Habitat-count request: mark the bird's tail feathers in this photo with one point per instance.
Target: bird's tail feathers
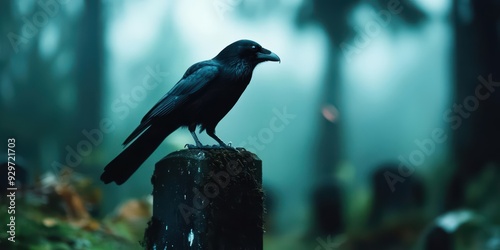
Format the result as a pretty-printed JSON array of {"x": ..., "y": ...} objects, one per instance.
[
  {"x": 137, "y": 131},
  {"x": 127, "y": 162}
]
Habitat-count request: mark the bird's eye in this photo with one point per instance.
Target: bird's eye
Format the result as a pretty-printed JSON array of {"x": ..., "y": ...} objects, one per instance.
[{"x": 254, "y": 47}]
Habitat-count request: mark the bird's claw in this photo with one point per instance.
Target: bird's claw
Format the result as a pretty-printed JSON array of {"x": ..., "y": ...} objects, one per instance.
[
  {"x": 215, "y": 146},
  {"x": 225, "y": 146}
]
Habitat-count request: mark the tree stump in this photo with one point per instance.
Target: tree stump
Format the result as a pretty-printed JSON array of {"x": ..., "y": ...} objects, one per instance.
[{"x": 207, "y": 199}]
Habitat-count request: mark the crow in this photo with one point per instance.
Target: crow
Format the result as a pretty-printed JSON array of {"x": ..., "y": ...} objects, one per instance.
[{"x": 201, "y": 98}]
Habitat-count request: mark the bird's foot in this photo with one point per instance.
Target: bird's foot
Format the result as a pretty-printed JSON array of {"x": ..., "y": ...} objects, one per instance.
[
  {"x": 191, "y": 146},
  {"x": 225, "y": 146}
]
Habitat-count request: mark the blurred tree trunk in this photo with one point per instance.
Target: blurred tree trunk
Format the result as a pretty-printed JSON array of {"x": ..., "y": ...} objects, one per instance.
[
  {"x": 89, "y": 68},
  {"x": 38, "y": 103},
  {"x": 25, "y": 78},
  {"x": 476, "y": 133},
  {"x": 333, "y": 17}
]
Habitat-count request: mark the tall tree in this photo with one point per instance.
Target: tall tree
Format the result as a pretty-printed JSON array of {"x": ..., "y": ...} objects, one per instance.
[
  {"x": 334, "y": 18},
  {"x": 475, "y": 121}
]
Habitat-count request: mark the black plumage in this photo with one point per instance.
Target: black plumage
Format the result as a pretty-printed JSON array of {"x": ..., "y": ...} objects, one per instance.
[{"x": 202, "y": 97}]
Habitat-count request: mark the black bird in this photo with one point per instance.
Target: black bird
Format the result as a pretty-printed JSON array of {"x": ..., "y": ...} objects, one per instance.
[{"x": 202, "y": 97}]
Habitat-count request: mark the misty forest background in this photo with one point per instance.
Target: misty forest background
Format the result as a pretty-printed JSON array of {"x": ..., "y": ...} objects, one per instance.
[{"x": 368, "y": 86}]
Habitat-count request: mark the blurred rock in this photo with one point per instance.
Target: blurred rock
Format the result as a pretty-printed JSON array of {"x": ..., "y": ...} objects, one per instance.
[
  {"x": 408, "y": 196},
  {"x": 461, "y": 229}
]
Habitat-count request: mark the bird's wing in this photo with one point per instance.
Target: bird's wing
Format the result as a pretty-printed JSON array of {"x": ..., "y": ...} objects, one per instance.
[{"x": 196, "y": 78}]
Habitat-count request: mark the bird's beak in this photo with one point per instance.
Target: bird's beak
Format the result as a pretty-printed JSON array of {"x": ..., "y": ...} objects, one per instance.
[{"x": 266, "y": 55}]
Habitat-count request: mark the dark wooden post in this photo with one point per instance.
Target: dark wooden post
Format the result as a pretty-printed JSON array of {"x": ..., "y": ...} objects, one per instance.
[{"x": 207, "y": 199}]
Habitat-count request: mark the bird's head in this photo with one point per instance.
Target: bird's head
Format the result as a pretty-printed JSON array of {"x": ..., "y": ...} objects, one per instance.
[{"x": 247, "y": 50}]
